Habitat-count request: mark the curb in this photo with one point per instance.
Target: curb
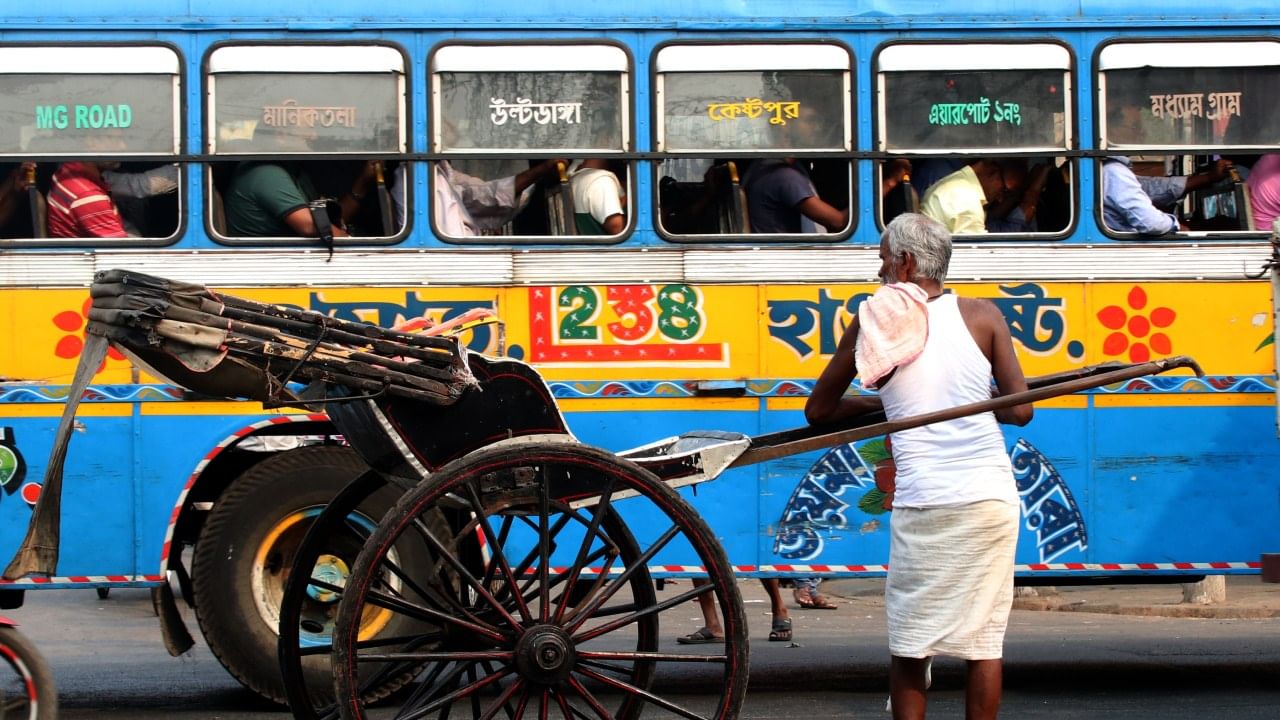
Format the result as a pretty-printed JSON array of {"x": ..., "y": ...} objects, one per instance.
[{"x": 1052, "y": 604}]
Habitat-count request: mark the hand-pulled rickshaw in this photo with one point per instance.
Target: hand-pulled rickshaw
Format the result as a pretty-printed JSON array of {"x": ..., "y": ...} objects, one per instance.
[{"x": 513, "y": 570}]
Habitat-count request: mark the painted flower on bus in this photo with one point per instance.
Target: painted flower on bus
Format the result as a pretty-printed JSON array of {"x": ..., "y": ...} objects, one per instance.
[
  {"x": 74, "y": 323},
  {"x": 1136, "y": 330}
]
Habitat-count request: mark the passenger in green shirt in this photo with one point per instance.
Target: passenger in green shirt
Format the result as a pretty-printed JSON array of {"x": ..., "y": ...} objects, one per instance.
[{"x": 271, "y": 200}]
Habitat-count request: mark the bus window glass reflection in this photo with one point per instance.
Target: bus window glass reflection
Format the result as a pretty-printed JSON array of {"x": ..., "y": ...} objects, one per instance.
[
  {"x": 117, "y": 101},
  {"x": 717, "y": 102},
  {"x": 1185, "y": 123},
  {"x": 544, "y": 106},
  {"x": 346, "y": 102},
  {"x": 964, "y": 120}
]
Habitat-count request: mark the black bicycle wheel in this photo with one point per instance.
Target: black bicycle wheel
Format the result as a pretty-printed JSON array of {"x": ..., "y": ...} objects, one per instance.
[{"x": 557, "y": 614}]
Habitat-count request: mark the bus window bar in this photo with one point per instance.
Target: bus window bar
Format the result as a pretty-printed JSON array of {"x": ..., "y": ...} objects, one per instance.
[{"x": 649, "y": 156}]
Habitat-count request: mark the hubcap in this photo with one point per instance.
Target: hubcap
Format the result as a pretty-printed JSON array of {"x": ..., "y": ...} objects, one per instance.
[
  {"x": 545, "y": 655},
  {"x": 329, "y": 569}
]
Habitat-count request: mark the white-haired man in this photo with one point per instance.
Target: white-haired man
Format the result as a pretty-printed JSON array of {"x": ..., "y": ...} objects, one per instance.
[{"x": 955, "y": 509}]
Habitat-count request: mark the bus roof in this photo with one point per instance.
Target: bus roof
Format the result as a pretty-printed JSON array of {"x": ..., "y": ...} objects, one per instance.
[{"x": 622, "y": 14}]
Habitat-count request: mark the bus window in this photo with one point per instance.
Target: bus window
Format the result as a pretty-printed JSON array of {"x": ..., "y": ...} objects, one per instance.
[
  {"x": 974, "y": 127},
  {"x": 714, "y": 103},
  {"x": 318, "y": 112},
  {"x": 98, "y": 102},
  {"x": 1186, "y": 122},
  {"x": 539, "y": 109}
]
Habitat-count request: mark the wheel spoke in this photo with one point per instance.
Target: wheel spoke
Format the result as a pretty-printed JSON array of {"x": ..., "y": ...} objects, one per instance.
[
  {"x": 643, "y": 694},
  {"x": 544, "y": 704},
  {"x": 568, "y": 710},
  {"x": 471, "y": 656},
  {"x": 327, "y": 648},
  {"x": 589, "y": 699},
  {"x": 427, "y": 691},
  {"x": 504, "y": 701},
  {"x": 560, "y": 577},
  {"x": 392, "y": 669},
  {"x": 498, "y": 551},
  {"x": 544, "y": 550},
  {"x": 503, "y": 533},
  {"x": 444, "y": 598},
  {"x": 528, "y": 560},
  {"x": 587, "y": 539},
  {"x": 464, "y": 691},
  {"x": 611, "y": 589},
  {"x": 463, "y": 573},
  {"x": 591, "y": 662},
  {"x": 651, "y": 656},
  {"x": 475, "y": 696},
  {"x": 505, "y": 697},
  {"x": 524, "y": 701},
  {"x": 612, "y": 625},
  {"x": 428, "y": 684},
  {"x": 420, "y": 612}
]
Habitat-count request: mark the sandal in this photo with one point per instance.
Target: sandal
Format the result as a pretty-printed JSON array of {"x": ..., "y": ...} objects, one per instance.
[
  {"x": 701, "y": 636},
  {"x": 820, "y": 602},
  {"x": 781, "y": 631},
  {"x": 812, "y": 602}
]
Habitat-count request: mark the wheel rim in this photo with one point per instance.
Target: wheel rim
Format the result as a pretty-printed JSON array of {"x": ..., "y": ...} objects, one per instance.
[
  {"x": 523, "y": 637},
  {"x": 273, "y": 563},
  {"x": 18, "y": 697}
]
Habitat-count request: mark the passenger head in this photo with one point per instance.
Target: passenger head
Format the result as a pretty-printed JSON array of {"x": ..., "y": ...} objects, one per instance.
[
  {"x": 1014, "y": 171},
  {"x": 927, "y": 243},
  {"x": 991, "y": 176}
]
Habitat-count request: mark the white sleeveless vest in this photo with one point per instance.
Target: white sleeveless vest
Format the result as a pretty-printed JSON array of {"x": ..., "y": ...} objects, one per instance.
[{"x": 959, "y": 461}]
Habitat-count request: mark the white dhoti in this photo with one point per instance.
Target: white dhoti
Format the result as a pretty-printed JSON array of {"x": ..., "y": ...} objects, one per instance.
[{"x": 950, "y": 583}]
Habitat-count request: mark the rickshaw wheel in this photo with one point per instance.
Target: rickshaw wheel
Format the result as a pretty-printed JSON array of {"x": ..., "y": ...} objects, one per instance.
[{"x": 558, "y": 615}]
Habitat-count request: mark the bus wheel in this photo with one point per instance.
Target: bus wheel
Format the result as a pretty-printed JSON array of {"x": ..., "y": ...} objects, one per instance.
[{"x": 246, "y": 549}]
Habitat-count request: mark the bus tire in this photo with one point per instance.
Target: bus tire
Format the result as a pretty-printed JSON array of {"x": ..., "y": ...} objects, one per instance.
[
  {"x": 243, "y": 555},
  {"x": 22, "y": 668}
]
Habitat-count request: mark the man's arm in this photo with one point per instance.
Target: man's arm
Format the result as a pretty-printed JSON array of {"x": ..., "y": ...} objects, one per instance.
[
  {"x": 350, "y": 201},
  {"x": 1004, "y": 364},
  {"x": 604, "y": 203},
  {"x": 817, "y": 210},
  {"x": 968, "y": 221},
  {"x": 156, "y": 181},
  {"x": 828, "y": 403},
  {"x": 303, "y": 225}
]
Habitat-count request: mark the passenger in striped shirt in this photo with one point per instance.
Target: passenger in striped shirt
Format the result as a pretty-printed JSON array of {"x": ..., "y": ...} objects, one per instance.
[{"x": 80, "y": 205}]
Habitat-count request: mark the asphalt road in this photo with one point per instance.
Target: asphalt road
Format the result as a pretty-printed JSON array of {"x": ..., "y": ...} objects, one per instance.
[{"x": 109, "y": 663}]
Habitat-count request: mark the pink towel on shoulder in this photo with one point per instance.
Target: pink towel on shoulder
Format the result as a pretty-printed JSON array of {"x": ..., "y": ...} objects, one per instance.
[{"x": 893, "y": 325}]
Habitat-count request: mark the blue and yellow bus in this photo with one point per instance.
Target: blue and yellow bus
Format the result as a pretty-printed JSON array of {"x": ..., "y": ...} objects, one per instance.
[{"x": 685, "y": 318}]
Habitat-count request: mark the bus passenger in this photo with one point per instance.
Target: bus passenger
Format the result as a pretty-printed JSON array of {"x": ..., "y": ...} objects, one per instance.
[
  {"x": 80, "y": 204},
  {"x": 926, "y": 172},
  {"x": 467, "y": 205},
  {"x": 1264, "y": 186},
  {"x": 269, "y": 199},
  {"x": 1016, "y": 213},
  {"x": 13, "y": 196},
  {"x": 598, "y": 200},
  {"x": 955, "y": 507},
  {"x": 1131, "y": 203},
  {"x": 958, "y": 200},
  {"x": 782, "y": 199}
]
